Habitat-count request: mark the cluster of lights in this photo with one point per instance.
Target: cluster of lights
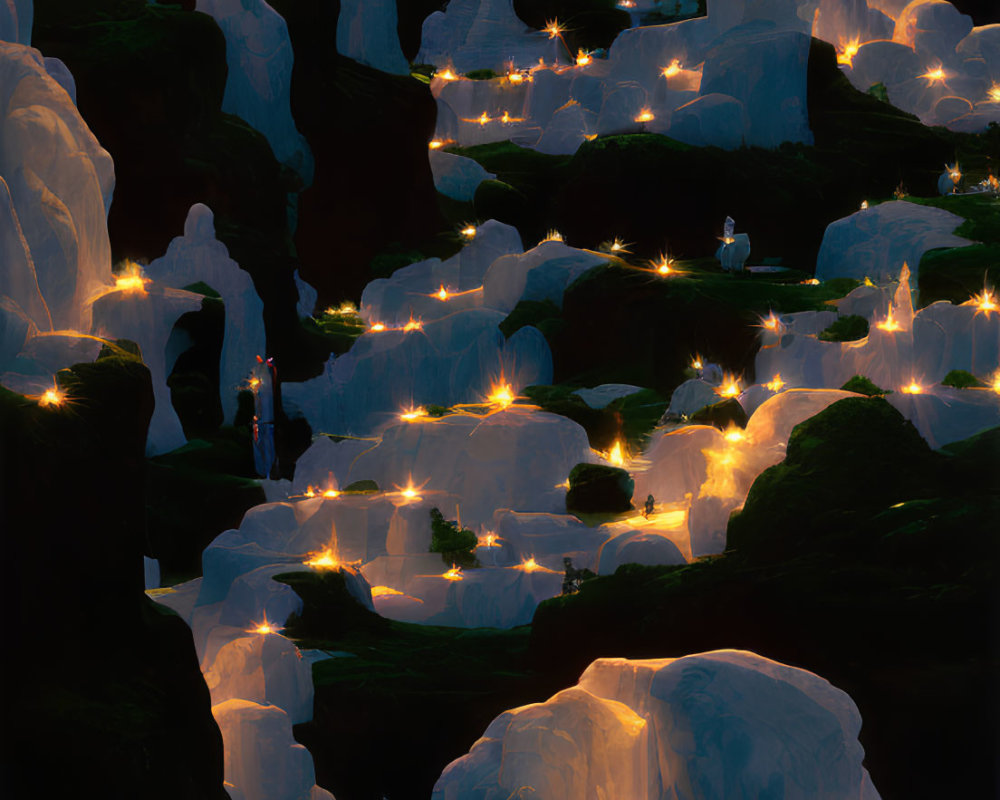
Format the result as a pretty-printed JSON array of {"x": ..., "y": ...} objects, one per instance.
[
  {"x": 489, "y": 539},
  {"x": 501, "y": 395},
  {"x": 772, "y": 323},
  {"x": 775, "y": 384},
  {"x": 645, "y": 115},
  {"x": 325, "y": 559},
  {"x": 672, "y": 69},
  {"x": 412, "y": 414},
  {"x": 582, "y": 58},
  {"x": 343, "y": 310},
  {"x": 846, "y": 54},
  {"x": 454, "y": 574},
  {"x": 131, "y": 279}
]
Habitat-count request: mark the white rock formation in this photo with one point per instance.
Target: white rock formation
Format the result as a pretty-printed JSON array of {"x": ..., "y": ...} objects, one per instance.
[
  {"x": 715, "y": 725},
  {"x": 366, "y": 32},
  {"x": 456, "y": 176},
  {"x": 198, "y": 256}
]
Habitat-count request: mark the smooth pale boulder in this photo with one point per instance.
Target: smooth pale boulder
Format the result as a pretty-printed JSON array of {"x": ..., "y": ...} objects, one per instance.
[
  {"x": 456, "y": 176},
  {"x": 713, "y": 119},
  {"x": 61, "y": 74},
  {"x": 637, "y": 547},
  {"x": 569, "y": 127},
  {"x": 600, "y": 396},
  {"x": 366, "y": 32}
]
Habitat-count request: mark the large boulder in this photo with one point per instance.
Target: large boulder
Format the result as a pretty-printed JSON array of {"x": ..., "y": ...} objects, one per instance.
[{"x": 366, "y": 32}]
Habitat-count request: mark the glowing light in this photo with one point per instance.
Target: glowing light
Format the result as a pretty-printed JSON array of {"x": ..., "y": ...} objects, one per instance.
[
  {"x": 469, "y": 232},
  {"x": 343, "y": 309},
  {"x": 772, "y": 323},
  {"x": 934, "y": 75},
  {"x": 501, "y": 395},
  {"x": 811, "y": 282},
  {"x": 645, "y": 115},
  {"x": 324, "y": 559},
  {"x": 254, "y": 384},
  {"x": 672, "y": 69},
  {"x": 864, "y": 205},
  {"x": 553, "y": 28},
  {"x": 331, "y": 493},
  {"x": 696, "y": 364},
  {"x": 847, "y": 53},
  {"x": 663, "y": 265},
  {"x": 483, "y": 118},
  {"x": 996, "y": 381},
  {"x": 734, "y": 434},
  {"x": 582, "y": 58},
  {"x": 889, "y": 324},
  {"x": 590, "y": 136},
  {"x": 618, "y": 246},
  {"x": 263, "y": 628},
  {"x": 441, "y": 294},
  {"x": 626, "y": 3},
  {"x": 435, "y": 144},
  {"x": 775, "y": 384},
  {"x": 954, "y": 172},
  {"x": 993, "y": 93},
  {"x": 310, "y": 492},
  {"x": 413, "y": 325},
  {"x": 411, "y": 414},
  {"x": 552, "y": 236},
  {"x": 530, "y": 565},
  {"x": 515, "y": 77},
  {"x": 985, "y": 302},
  {"x": 868, "y": 281},
  {"x": 489, "y": 539},
  {"x": 131, "y": 279},
  {"x": 730, "y": 387},
  {"x": 409, "y": 492},
  {"x": 446, "y": 75},
  {"x": 912, "y": 388},
  {"x": 615, "y": 455},
  {"x": 54, "y": 397},
  {"x": 384, "y": 591},
  {"x": 378, "y": 326},
  {"x": 454, "y": 574}
]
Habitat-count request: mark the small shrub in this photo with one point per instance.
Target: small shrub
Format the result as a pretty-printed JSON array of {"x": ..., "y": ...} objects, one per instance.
[
  {"x": 961, "y": 379},
  {"x": 455, "y": 544},
  {"x": 861, "y": 385},
  {"x": 481, "y": 75},
  {"x": 846, "y": 329}
]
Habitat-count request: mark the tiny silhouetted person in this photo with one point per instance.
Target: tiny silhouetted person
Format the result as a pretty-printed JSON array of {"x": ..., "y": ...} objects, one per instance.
[{"x": 648, "y": 508}]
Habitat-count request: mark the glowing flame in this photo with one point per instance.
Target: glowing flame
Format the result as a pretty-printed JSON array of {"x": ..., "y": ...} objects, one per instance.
[
  {"x": 131, "y": 279},
  {"x": 435, "y": 144},
  {"x": 490, "y": 539},
  {"x": 582, "y": 58},
  {"x": 934, "y": 75},
  {"x": 442, "y": 293},
  {"x": 552, "y": 236},
  {"x": 626, "y": 3},
  {"x": 847, "y": 53},
  {"x": 615, "y": 455},
  {"x": 515, "y": 77},
  {"x": 618, "y": 246},
  {"x": 310, "y": 492},
  {"x": 446, "y": 75},
  {"x": 664, "y": 265},
  {"x": 993, "y": 93},
  {"x": 730, "y": 387},
  {"x": 331, "y": 493},
  {"x": 890, "y": 323},
  {"x": 454, "y": 574},
  {"x": 645, "y": 115},
  {"x": 772, "y": 323},
  {"x": 985, "y": 302},
  {"x": 673, "y": 69},
  {"x": 411, "y": 414},
  {"x": 264, "y": 627},
  {"x": 530, "y": 565},
  {"x": 553, "y": 28},
  {"x": 254, "y": 383},
  {"x": 775, "y": 383},
  {"x": 413, "y": 325},
  {"x": 52, "y": 397},
  {"x": 734, "y": 434},
  {"x": 696, "y": 363},
  {"x": 469, "y": 232},
  {"x": 912, "y": 388},
  {"x": 343, "y": 309},
  {"x": 483, "y": 118},
  {"x": 378, "y": 326},
  {"x": 501, "y": 395},
  {"x": 996, "y": 381},
  {"x": 384, "y": 591},
  {"x": 324, "y": 559},
  {"x": 955, "y": 172},
  {"x": 864, "y": 205},
  {"x": 811, "y": 282}
]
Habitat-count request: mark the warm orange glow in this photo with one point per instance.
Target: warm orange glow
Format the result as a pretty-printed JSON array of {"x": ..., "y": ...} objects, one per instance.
[
  {"x": 696, "y": 363},
  {"x": 553, "y": 28},
  {"x": 469, "y": 231},
  {"x": 263, "y": 628},
  {"x": 331, "y": 493},
  {"x": 811, "y": 282},
  {"x": 310, "y": 491},
  {"x": 454, "y": 574},
  {"x": 912, "y": 388},
  {"x": 590, "y": 136},
  {"x": 515, "y": 77},
  {"x": 864, "y": 205},
  {"x": 254, "y": 384},
  {"x": 889, "y": 324},
  {"x": 645, "y": 115},
  {"x": 934, "y": 75},
  {"x": 615, "y": 454},
  {"x": 775, "y": 383},
  {"x": 993, "y": 93},
  {"x": 413, "y": 325},
  {"x": 410, "y": 492},
  {"x": 131, "y": 279},
  {"x": 501, "y": 395},
  {"x": 985, "y": 301},
  {"x": 617, "y": 246},
  {"x": 324, "y": 559},
  {"x": 626, "y": 3},
  {"x": 411, "y": 414},
  {"x": 483, "y": 118},
  {"x": 489, "y": 539},
  {"x": 663, "y": 265},
  {"x": 378, "y": 326},
  {"x": 442, "y": 293},
  {"x": 52, "y": 397},
  {"x": 384, "y": 591},
  {"x": 955, "y": 172},
  {"x": 734, "y": 434},
  {"x": 730, "y": 387},
  {"x": 582, "y": 58},
  {"x": 435, "y": 144},
  {"x": 772, "y": 323},
  {"x": 446, "y": 75},
  {"x": 846, "y": 54},
  {"x": 672, "y": 69},
  {"x": 530, "y": 565},
  {"x": 996, "y": 381},
  {"x": 552, "y": 236}
]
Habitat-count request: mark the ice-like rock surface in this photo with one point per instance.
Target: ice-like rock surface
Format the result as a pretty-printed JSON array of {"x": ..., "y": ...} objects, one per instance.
[
  {"x": 457, "y": 176},
  {"x": 600, "y": 396},
  {"x": 724, "y": 724},
  {"x": 16, "y": 17},
  {"x": 366, "y": 32},
  {"x": 147, "y": 317},
  {"x": 199, "y": 256},
  {"x": 258, "y": 87},
  {"x": 875, "y": 242},
  {"x": 715, "y": 120},
  {"x": 55, "y": 188},
  {"x": 61, "y": 74},
  {"x": 548, "y": 538},
  {"x": 638, "y": 547},
  {"x": 306, "y": 305},
  {"x": 691, "y": 396}
]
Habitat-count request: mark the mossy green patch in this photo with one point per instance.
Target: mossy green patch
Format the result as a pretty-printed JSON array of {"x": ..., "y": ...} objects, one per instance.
[
  {"x": 961, "y": 379},
  {"x": 862, "y": 385},
  {"x": 848, "y": 328}
]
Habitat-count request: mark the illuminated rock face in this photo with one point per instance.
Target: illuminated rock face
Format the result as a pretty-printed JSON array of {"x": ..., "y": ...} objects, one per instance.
[
  {"x": 198, "y": 256},
  {"x": 55, "y": 189},
  {"x": 258, "y": 87},
  {"x": 366, "y": 32},
  {"x": 714, "y": 725},
  {"x": 875, "y": 242}
]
